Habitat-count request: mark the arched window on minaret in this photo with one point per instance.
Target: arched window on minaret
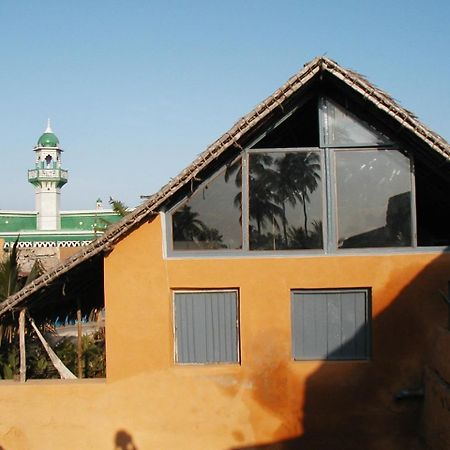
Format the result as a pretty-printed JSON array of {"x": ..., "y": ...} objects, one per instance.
[{"x": 48, "y": 161}]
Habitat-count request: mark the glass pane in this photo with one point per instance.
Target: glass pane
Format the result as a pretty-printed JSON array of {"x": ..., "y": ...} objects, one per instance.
[
  {"x": 211, "y": 218},
  {"x": 285, "y": 200},
  {"x": 432, "y": 206},
  {"x": 373, "y": 198},
  {"x": 301, "y": 129},
  {"x": 343, "y": 129}
]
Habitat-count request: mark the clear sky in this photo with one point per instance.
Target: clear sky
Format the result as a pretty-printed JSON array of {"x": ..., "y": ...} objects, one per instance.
[{"x": 136, "y": 89}]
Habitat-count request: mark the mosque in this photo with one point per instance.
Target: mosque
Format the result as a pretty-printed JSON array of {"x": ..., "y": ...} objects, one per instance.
[{"x": 47, "y": 231}]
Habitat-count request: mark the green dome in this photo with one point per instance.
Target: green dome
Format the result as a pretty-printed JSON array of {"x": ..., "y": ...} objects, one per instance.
[{"x": 48, "y": 140}]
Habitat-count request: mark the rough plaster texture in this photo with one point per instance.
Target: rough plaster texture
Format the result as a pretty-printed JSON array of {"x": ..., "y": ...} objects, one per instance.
[
  {"x": 267, "y": 401},
  {"x": 436, "y": 417}
]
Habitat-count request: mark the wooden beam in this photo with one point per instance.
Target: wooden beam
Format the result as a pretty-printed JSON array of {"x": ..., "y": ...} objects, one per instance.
[
  {"x": 79, "y": 345},
  {"x": 23, "y": 356}
]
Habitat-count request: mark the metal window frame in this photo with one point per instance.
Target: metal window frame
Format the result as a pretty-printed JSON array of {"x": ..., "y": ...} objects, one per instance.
[
  {"x": 324, "y": 129},
  {"x": 334, "y": 197},
  {"x": 329, "y": 204},
  {"x": 286, "y": 252},
  {"x": 167, "y": 223}
]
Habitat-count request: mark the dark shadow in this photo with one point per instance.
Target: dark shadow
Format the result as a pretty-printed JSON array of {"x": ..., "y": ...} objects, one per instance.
[
  {"x": 351, "y": 405},
  {"x": 395, "y": 233},
  {"x": 124, "y": 441}
]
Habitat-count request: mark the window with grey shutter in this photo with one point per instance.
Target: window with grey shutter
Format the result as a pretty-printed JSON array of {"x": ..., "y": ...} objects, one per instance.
[
  {"x": 206, "y": 327},
  {"x": 331, "y": 324}
]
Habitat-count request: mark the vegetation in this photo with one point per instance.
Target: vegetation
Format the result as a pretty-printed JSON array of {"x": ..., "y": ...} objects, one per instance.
[
  {"x": 119, "y": 208},
  {"x": 187, "y": 227},
  {"x": 277, "y": 183},
  {"x": 280, "y": 186},
  {"x": 39, "y": 365},
  {"x": 38, "y": 362},
  {"x": 11, "y": 280}
]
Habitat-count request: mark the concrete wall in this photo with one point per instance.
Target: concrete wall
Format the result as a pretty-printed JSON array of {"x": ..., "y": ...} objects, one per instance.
[
  {"x": 436, "y": 417},
  {"x": 267, "y": 398}
]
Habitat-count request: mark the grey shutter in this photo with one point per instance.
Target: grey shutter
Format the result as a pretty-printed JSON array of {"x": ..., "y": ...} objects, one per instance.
[
  {"x": 330, "y": 324},
  {"x": 206, "y": 327}
]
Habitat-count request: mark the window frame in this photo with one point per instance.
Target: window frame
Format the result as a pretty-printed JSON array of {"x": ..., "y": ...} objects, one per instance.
[
  {"x": 329, "y": 203},
  {"x": 168, "y": 218},
  {"x": 246, "y": 200},
  {"x": 237, "y": 325},
  {"x": 334, "y": 241}
]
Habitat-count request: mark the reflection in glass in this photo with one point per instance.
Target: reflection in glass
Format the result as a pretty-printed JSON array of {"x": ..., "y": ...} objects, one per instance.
[
  {"x": 211, "y": 218},
  {"x": 285, "y": 201},
  {"x": 345, "y": 130},
  {"x": 373, "y": 198}
]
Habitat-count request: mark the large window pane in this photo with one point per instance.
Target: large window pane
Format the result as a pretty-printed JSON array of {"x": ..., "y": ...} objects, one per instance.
[
  {"x": 433, "y": 206},
  {"x": 373, "y": 198},
  {"x": 285, "y": 200},
  {"x": 211, "y": 218},
  {"x": 343, "y": 129}
]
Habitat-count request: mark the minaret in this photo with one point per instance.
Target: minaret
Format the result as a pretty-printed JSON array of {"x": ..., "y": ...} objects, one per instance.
[{"x": 48, "y": 178}]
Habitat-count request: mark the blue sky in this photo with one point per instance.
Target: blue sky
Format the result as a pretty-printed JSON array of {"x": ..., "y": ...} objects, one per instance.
[{"x": 136, "y": 89}]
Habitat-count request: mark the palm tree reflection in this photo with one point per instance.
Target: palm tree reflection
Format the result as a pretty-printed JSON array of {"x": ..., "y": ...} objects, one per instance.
[{"x": 278, "y": 184}]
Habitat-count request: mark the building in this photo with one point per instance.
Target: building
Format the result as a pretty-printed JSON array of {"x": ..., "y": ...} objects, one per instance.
[
  {"x": 47, "y": 232},
  {"x": 280, "y": 292}
]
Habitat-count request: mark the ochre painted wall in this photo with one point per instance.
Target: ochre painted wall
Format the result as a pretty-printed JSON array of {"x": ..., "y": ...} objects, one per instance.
[
  {"x": 436, "y": 417},
  {"x": 268, "y": 398}
]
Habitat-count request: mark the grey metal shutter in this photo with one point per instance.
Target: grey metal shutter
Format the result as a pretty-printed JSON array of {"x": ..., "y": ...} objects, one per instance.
[
  {"x": 330, "y": 324},
  {"x": 206, "y": 327}
]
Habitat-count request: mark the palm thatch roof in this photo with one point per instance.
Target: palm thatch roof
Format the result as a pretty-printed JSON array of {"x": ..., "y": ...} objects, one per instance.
[{"x": 233, "y": 140}]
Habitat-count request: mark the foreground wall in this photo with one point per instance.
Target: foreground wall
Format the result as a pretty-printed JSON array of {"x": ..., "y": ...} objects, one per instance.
[
  {"x": 436, "y": 418},
  {"x": 153, "y": 403}
]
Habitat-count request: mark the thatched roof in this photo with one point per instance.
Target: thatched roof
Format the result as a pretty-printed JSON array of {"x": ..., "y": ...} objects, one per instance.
[{"x": 315, "y": 69}]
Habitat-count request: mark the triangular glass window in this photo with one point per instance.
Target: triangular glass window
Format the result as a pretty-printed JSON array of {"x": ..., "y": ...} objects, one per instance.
[
  {"x": 342, "y": 129},
  {"x": 211, "y": 218},
  {"x": 299, "y": 128}
]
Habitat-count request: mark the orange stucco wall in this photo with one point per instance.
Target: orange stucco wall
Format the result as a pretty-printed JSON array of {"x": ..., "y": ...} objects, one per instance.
[
  {"x": 436, "y": 417},
  {"x": 267, "y": 398}
]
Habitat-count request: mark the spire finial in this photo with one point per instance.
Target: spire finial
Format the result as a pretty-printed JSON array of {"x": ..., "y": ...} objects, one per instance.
[{"x": 49, "y": 128}]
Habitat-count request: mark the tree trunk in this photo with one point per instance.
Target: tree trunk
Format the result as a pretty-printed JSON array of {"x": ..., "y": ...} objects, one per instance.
[{"x": 304, "y": 213}]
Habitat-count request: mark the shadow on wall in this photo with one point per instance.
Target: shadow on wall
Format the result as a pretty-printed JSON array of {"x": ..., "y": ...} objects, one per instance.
[
  {"x": 350, "y": 405},
  {"x": 123, "y": 441}
]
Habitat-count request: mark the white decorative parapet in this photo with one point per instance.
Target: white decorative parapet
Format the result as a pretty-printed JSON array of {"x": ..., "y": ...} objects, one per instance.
[{"x": 48, "y": 174}]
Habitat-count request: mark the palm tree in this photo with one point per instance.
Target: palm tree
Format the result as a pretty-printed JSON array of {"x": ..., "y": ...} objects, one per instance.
[
  {"x": 211, "y": 238},
  {"x": 304, "y": 169},
  {"x": 263, "y": 201},
  {"x": 10, "y": 279},
  {"x": 186, "y": 226},
  {"x": 286, "y": 188},
  {"x": 119, "y": 207},
  {"x": 236, "y": 168}
]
